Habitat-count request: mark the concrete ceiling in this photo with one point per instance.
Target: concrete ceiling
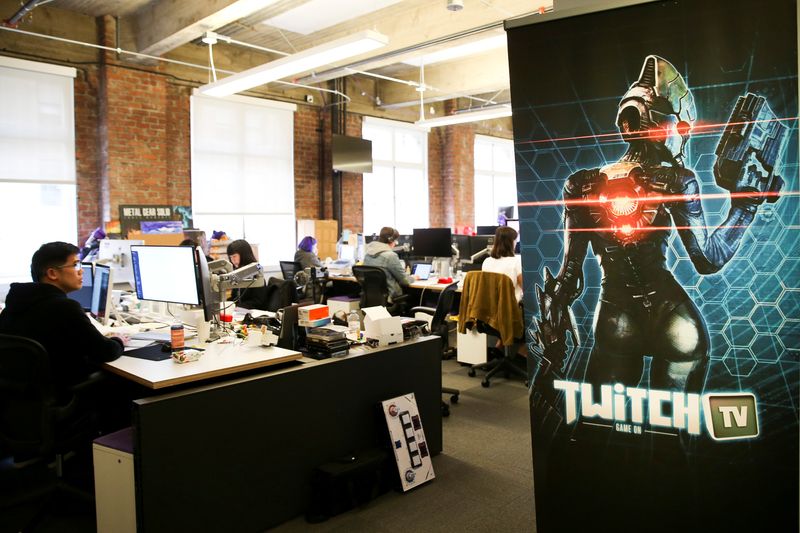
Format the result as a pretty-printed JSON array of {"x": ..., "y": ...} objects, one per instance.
[{"x": 414, "y": 27}]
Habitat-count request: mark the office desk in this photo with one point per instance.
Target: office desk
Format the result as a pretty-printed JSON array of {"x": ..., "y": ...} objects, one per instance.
[
  {"x": 238, "y": 455},
  {"x": 217, "y": 360}
]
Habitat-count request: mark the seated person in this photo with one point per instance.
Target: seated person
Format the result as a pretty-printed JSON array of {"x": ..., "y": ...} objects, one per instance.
[
  {"x": 502, "y": 259},
  {"x": 41, "y": 311},
  {"x": 240, "y": 254},
  {"x": 379, "y": 253},
  {"x": 306, "y": 253}
]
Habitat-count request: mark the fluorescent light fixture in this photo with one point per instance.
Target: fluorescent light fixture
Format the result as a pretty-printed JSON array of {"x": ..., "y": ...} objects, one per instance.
[
  {"x": 463, "y": 50},
  {"x": 486, "y": 113},
  {"x": 317, "y": 15},
  {"x": 324, "y": 54}
]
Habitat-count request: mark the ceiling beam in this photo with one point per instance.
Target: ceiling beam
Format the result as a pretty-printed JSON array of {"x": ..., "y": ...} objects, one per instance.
[
  {"x": 485, "y": 73},
  {"x": 165, "y": 25}
]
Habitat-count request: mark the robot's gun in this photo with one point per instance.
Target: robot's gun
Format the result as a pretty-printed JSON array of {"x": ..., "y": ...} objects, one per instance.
[
  {"x": 551, "y": 332},
  {"x": 748, "y": 149}
]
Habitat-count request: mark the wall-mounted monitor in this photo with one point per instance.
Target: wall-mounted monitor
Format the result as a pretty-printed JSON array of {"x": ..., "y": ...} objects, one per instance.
[{"x": 351, "y": 154}]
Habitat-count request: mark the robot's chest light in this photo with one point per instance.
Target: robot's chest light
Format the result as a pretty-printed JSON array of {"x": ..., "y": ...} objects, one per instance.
[{"x": 622, "y": 205}]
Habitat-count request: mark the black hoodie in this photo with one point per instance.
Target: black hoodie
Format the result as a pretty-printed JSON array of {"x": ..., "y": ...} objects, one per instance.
[{"x": 43, "y": 312}]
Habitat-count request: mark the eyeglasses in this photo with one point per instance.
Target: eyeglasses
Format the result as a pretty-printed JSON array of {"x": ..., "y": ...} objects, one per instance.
[{"x": 75, "y": 266}]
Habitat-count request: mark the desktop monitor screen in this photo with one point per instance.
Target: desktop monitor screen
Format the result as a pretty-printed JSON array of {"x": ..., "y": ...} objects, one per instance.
[
  {"x": 84, "y": 295},
  {"x": 103, "y": 285},
  {"x": 433, "y": 242},
  {"x": 165, "y": 274},
  {"x": 486, "y": 230}
]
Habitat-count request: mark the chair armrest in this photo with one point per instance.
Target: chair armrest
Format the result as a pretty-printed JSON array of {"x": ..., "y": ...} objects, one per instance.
[
  {"x": 92, "y": 380},
  {"x": 420, "y": 309},
  {"x": 400, "y": 298}
]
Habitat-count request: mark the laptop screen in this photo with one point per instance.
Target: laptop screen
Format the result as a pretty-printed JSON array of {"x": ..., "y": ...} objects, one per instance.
[{"x": 422, "y": 270}]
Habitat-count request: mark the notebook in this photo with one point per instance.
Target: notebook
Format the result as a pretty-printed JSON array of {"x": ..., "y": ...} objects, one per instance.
[{"x": 422, "y": 270}]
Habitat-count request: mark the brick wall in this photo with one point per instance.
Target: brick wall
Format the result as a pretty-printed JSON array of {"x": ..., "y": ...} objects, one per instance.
[
  {"x": 436, "y": 195},
  {"x": 307, "y": 133},
  {"x": 87, "y": 163}
]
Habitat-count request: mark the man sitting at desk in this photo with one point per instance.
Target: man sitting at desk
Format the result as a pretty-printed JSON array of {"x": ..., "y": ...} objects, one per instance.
[
  {"x": 41, "y": 311},
  {"x": 379, "y": 253}
]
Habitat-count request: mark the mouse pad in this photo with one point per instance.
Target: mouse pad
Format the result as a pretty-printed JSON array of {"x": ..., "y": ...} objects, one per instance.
[{"x": 154, "y": 352}]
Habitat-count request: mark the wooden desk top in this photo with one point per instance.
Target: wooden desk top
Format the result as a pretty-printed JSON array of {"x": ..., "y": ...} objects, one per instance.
[{"x": 217, "y": 360}]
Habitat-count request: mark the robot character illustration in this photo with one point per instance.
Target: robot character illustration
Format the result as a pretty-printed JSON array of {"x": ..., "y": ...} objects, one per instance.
[{"x": 627, "y": 209}]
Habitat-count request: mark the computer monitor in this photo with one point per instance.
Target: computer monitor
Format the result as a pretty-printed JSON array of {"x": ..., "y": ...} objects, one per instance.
[
  {"x": 478, "y": 243},
  {"x": 462, "y": 243},
  {"x": 208, "y": 298},
  {"x": 166, "y": 274},
  {"x": 347, "y": 253},
  {"x": 432, "y": 242},
  {"x": 486, "y": 230},
  {"x": 84, "y": 295},
  {"x": 118, "y": 254},
  {"x": 102, "y": 289}
]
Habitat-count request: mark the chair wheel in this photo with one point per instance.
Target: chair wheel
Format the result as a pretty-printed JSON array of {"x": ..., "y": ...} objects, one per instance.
[
  {"x": 454, "y": 398},
  {"x": 485, "y": 383},
  {"x": 471, "y": 373}
]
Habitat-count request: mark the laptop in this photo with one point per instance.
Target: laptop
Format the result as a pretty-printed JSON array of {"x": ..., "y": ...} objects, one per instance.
[{"x": 422, "y": 270}]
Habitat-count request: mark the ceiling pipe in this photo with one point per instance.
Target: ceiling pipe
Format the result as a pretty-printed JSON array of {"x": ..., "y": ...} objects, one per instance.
[{"x": 29, "y": 6}]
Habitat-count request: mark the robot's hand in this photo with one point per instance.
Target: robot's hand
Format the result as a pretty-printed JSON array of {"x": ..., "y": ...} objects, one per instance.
[
  {"x": 749, "y": 149},
  {"x": 555, "y": 323}
]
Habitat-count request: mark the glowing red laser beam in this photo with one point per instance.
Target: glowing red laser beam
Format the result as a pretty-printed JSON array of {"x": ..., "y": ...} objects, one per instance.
[
  {"x": 647, "y": 134},
  {"x": 615, "y": 229},
  {"x": 663, "y": 198}
]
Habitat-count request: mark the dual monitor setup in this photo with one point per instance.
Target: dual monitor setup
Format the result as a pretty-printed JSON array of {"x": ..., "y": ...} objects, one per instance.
[
  {"x": 173, "y": 274},
  {"x": 438, "y": 242}
]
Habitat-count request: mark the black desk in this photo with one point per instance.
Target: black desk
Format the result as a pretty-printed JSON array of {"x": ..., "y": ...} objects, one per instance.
[{"x": 238, "y": 455}]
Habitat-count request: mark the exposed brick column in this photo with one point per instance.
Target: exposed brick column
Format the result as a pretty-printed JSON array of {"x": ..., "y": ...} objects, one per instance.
[
  {"x": 437, "y": 202},
  {"x": 353, "y": 185},
  {"x": 307, "y": 138},
  {"x": 458, "y": 173},
  {"x": 87, "y": 163},
  {"x": 144, "y": 134}
]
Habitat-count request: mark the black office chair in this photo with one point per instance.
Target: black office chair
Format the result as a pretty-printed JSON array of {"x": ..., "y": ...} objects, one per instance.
[
  {"x": 440, "y": 327},
  {"x": 488, "y": 303},
  {"x": 280, "y": 293},
  {"x": 375, "y": 289},
  {"x": 34, "y": 425},
  {"x": 290, "y": 268}
]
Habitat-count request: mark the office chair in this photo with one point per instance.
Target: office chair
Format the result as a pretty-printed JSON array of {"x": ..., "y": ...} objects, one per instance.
[
  {"x": 375, "y": 289},
  {"x": 439, "y": 327},
  {"x": 34, "y": 426},
  {"x": 280, "y": 293},
  {"x": 488, "y": 303},
  {"x": 289, "y": 269}
]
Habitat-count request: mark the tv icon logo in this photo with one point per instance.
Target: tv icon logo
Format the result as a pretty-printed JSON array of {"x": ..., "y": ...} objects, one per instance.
[{"x": 731, "y": 416}]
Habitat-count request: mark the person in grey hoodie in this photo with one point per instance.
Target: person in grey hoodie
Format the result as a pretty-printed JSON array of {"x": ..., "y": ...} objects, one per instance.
[{"x": 379, "y": 253}]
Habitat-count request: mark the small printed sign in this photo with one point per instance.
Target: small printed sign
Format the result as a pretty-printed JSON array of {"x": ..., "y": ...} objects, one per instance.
[{"x": 408, "y": 441}]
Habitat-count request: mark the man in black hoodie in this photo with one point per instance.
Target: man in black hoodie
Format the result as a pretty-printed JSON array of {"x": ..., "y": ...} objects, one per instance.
[{"x": 41, "y": 311}]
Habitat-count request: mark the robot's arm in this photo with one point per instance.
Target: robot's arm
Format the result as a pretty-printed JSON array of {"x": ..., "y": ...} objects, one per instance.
[
  {"x": 556, "y": 296},
  {"x": 709, "y": 253}
]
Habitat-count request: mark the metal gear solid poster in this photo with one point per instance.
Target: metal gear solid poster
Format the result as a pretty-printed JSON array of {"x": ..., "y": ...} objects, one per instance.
[{"x": 656, "y": 157}]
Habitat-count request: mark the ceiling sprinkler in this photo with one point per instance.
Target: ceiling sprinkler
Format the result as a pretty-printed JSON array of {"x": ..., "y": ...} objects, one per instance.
[{"x": 455, "y": 5}]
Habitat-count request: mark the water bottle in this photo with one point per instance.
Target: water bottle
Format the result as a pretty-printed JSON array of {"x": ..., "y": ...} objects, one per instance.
[{"x": 354, "y": 324}]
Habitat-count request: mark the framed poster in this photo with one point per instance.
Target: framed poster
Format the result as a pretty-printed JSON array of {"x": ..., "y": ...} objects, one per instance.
[{"x": 656, "y": 153}]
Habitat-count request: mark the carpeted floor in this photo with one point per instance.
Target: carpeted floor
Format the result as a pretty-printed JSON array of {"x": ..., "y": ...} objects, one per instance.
[{"x": 484, "y": 476}]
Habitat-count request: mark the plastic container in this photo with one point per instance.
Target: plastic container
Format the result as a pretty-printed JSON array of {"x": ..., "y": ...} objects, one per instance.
[
  {"x": 354, "y": 325},
  {"x": 176, "y": 339}
]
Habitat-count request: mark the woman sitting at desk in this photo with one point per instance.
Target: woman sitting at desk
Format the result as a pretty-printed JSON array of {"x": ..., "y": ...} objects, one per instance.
[
  {"x": 306, "y": 253},
  {"x": 240, "y": 254},
  {"x": 502, "y": 259}
]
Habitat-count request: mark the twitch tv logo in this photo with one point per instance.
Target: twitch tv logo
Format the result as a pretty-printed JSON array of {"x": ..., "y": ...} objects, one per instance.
[{"x": 731, "y": 416}]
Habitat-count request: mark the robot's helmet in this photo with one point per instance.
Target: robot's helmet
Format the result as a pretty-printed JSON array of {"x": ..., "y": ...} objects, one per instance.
[{"x": 658, "y": 107}]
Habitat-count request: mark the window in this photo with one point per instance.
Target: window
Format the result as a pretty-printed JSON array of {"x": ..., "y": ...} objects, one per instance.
[
  {"x": 37, "y": 146},
  {"x": 243, "y": 172},
  {"x": 396, "y": 192},
  {"x": 495, "y": 180}
]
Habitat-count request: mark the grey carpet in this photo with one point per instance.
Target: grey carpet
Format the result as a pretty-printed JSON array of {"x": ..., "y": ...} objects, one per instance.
[{"x": 484, "y": 476}]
